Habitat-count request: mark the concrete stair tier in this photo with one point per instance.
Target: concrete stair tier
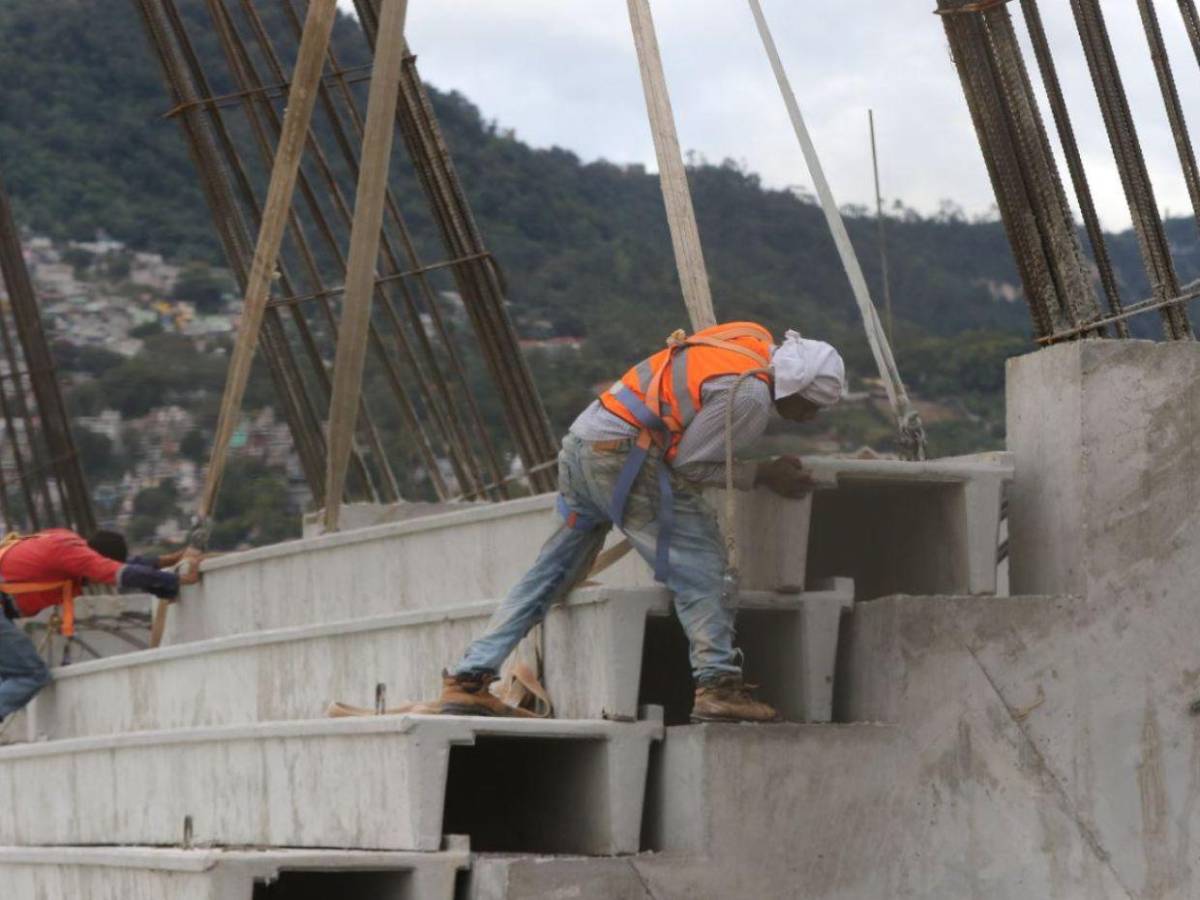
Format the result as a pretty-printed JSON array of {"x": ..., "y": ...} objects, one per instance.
[
  {"x": 529, "y": 877},
  {"x": 144, "y": 873},
  {"x": 896, "y": 527},
  {"x": 595, "y": 653},
  {"x": 380, "y": 783},
  {"x": 933, "y": 528},
  {"x": 626, "y": 649}
]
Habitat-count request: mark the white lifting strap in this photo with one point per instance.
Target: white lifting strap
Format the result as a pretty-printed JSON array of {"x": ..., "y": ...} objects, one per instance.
[{"x": 912, "y": 433}]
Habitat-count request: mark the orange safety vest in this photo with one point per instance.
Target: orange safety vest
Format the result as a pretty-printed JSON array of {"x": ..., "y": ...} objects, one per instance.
[
  {"x": 670, "y": 382},
  {"x": 660, "y": 396},
  {"x": 16, "y": 588}
]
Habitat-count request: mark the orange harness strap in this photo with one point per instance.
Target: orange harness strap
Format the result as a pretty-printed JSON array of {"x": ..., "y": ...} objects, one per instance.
[{"x": 67, "y": 587}]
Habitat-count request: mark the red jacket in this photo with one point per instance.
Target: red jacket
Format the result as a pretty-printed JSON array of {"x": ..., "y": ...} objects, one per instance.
[{"x": 54, "y": 555}]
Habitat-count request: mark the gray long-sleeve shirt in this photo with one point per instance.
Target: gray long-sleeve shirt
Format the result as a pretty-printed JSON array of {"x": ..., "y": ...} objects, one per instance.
[{"x": 701, "y": 456}]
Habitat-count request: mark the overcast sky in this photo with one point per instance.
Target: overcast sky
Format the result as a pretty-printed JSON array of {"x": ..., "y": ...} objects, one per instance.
[{"x": 563, "y": 72}]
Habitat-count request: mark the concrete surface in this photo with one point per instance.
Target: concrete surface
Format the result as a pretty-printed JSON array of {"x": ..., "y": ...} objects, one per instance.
[
  {"x": 353, "y": 516},
  {"x": 949, "y": 810},
  {"x": 1106, "y": 506},
  {"x": 790, "y": 642},
  {"x": 496, "y": 877},
  {"x": 909, "y": 527},
  {"x": 280, "y": 675},
  {"x": 932, "y": 527},
  {"x": 142, "y": 873},
  {"x": 382, "y": 783},
  {"x": 592, "y": 649}
]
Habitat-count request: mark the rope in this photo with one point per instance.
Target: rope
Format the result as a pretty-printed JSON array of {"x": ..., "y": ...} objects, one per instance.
[
  {"x": 730, "y": 500},
  {"x": 908, "y": 423}
]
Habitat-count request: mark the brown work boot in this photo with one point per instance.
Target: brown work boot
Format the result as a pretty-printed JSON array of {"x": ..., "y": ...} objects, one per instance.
[
  {"x": 468, "y": 695},
  {"x": 727, "y": 699}
]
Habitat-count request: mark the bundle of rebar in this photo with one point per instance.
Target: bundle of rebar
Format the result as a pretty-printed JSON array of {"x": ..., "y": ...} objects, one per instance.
[
  {"x": 41, "y": 481},
  {"x": 1033, "y": 203},
  {"x": 418, "y": 356}
]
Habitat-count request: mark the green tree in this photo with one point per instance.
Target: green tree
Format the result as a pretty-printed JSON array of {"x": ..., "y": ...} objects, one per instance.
[
  {"x": 200, "y": 285},
  {"x": 194, "y": 446}
]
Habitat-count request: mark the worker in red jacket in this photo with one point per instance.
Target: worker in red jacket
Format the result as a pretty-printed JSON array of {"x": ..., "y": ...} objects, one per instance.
[{"x": 51, "y": 568}]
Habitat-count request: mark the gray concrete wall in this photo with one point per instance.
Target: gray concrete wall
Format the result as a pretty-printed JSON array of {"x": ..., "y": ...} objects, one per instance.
[
  {"x": 1107, "y": 506},
  {"x": 947, "y": 811}
]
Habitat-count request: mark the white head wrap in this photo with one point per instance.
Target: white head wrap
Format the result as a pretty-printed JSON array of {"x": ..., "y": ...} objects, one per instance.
[{"x": 812, "y": 369}]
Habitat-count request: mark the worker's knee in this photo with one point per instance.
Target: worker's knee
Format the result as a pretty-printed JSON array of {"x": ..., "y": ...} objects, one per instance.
[{"x": 39, "y": 677}]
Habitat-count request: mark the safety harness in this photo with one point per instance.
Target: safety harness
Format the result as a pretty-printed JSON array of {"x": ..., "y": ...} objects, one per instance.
[
  {"x": 660, "y": 427},
  {"x": 17, "y": 588}
]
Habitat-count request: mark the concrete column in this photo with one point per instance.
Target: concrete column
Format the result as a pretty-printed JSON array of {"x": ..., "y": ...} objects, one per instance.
[
  {"x": 1105, "y": 501},
  {"x": 1106, "y": 506}
]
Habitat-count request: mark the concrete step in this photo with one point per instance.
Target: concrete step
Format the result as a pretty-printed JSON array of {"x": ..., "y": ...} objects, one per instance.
[
  {"x": 498, "y": 877},
  {"x": 899, "y": 527},
  {"x": 439, "y": 561},
  {"x": 932, "y": 527},
  {"x": 628, "y": 649},
  {"x": 149, "y": 873},
  {"x": 596, "y": 648},
  {"x": 381, "y": 783},
  {"x": 964, "y": 796}
]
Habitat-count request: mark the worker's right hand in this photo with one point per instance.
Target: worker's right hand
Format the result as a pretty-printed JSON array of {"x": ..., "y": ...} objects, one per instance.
[
  {"x": 189, "y": 567},
  {"x": 785, "y": 475}
]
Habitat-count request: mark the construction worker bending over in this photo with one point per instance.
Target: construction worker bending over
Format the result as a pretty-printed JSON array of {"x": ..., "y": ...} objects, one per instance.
[
  {"x": 50, "y": 568},
  {"x": 638, "y": 458}
]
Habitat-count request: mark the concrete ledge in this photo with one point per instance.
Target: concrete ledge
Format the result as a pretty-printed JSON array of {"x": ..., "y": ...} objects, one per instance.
[
  {"x": 440, "y": 561},
  {"x": 377, "y": 783},
  {"x": 928, "y": 527},
  {"x": 617, "y": 661},
  {"x": 495, "y": 877},
  {"x": 145, "y": 873},
  {"x": 593, "y": 648},
  {"x": 933, "y": 527}
]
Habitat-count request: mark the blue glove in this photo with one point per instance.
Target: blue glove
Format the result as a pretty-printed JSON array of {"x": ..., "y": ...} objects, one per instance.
[{"x": 152, "y": 581}]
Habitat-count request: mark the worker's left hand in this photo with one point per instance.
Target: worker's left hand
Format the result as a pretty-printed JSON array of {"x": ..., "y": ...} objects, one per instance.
[{"x": 786, "y": 476}]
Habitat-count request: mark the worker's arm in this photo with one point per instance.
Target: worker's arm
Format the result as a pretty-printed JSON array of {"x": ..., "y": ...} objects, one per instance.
[
  {"x": 158, "y": 582},
  {"x": 701, "y": 457},
  {"x": 75, "y": 559}
]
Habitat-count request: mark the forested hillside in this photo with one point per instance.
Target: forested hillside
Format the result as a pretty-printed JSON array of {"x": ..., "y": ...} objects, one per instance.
[{"x": 85, "y": 147}]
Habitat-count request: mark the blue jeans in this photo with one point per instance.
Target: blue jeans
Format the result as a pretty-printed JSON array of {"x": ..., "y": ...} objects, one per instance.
[
  {"x": 586, "y": 477},
  {"x": 22, "y": 671}
]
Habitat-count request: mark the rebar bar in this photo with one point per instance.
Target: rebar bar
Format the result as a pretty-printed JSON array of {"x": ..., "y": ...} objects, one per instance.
[
  {"x": 1070, "y": 146},
  {"x": 1016, "y": 149},
  {"x": 1135, "y": 178},
  {"x": 1170, "y": 93},
  {"x": 50, "y": 467},
  {"x": 415, "y": 351}
]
